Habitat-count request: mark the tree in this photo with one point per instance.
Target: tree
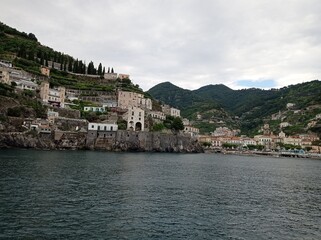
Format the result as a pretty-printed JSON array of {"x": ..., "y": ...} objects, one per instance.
[
  {"x": 100, "y": 69},
  {"x": 32, "y": 37},
  {"x": 177, "y": 124},
  {"x": 112, "y": 70},
  {"x": 103, "y": 73}
]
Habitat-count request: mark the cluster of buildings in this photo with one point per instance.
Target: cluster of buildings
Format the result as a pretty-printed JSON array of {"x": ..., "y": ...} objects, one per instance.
[
  {"x": 132, "y": 107},
  {"x": 268, "y": 142}
]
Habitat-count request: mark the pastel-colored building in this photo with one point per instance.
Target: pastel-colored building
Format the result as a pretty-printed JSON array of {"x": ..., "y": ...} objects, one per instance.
[
  {"x": 131, "y": 99},
  {"x": 45, "y": 71},
  {"x": 53, "y": 96},
  {"x": 123, "y": 76}
]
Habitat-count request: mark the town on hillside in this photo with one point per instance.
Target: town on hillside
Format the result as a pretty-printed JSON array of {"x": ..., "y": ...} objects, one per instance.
[{"x": 99, "y": 114}]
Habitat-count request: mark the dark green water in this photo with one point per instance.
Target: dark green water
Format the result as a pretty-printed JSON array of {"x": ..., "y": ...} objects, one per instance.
[{"x": 99, "y": 195}]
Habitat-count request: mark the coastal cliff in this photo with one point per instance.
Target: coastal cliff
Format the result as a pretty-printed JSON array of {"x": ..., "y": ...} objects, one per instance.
[{"x": 121, "y": 141}]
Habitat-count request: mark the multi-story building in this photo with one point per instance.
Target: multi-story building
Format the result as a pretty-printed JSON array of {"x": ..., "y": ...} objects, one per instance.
[
  {"x": 4, "y": 76},
  {"x": 26, "y": 85},
  {"x": 132, "y": 99},
  {"x": 193, "y": 131},
  {"x": 53, "y": 96},
  {"x": 168, "y": 110},
  {"x": 105, "y": 131},
  {"x": 135, "y": 118},
  {"x": 156, "y": 115}
]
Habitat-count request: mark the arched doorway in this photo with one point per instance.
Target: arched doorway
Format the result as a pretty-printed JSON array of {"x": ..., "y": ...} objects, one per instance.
[{"x": 138, "y": 126}]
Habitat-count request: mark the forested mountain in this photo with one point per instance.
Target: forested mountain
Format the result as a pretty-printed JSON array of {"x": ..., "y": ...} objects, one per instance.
[
  {"x": 251, "y": 106},
  {"x": 26, "y": 52}
]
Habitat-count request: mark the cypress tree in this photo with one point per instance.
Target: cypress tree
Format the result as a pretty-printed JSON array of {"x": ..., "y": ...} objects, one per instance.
[
  {"x": 112, "y": 70},
  {"x": 103, "y": 73},
  {"x": 100, "y": 69}
]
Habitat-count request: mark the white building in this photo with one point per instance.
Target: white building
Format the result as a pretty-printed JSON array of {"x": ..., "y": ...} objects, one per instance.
[
  {"x": 26, "y": 85},
  {"x": 102, "y": 127},
  {"x": 193, "y": 131},
  {"x": 135, "y": 119},
  {"x": 94, "y": 109}
]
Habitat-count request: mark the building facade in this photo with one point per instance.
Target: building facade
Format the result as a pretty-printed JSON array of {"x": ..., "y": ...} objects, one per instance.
[
  {"x": 135, "y": 119},
  {"x": 132, "y": 99},
  {"x": 53, "y": 96}
]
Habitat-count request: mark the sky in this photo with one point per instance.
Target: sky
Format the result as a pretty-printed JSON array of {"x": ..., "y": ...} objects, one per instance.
[{"x": 190, "y": 43}]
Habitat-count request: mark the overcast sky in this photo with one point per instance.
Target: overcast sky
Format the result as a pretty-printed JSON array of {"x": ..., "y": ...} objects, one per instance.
[{"x": 191, "y": 43}]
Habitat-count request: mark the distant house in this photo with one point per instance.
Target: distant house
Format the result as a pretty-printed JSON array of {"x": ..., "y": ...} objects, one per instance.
[
  {"x": 26, "y": 85},
  {"x": 45, "y": 71},
  {"x": 4, "y": 76},
  {"x": 192, "y": 131},
  {"x": 94, "y": 109},
  {"x": 123, "y": 76},
  {"x": 168, "y": 110}
]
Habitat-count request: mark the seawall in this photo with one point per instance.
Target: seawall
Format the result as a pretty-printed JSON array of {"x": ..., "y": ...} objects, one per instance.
[{"x": 120, "y": 141}]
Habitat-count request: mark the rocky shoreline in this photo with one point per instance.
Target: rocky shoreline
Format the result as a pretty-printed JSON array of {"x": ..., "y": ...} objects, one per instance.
[{"x": 123, "y": 141}]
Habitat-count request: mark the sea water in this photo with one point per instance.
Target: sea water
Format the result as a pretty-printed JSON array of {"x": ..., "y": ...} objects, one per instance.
[{"x": 103, "y": 195}]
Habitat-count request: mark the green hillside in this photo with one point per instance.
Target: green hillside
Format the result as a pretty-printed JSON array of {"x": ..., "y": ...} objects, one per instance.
[{"x": 253, "y": 107}]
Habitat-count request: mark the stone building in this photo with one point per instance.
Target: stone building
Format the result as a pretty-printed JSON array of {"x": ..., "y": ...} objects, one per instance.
[
  {"x": 132, "y": 99},
  {"x": 168, "y": 110},
  {"x": 4, "y": 76},
  {"x": 101, "y": 131},
  {"x": 135, "y": 118},
  {"x": 53, "y": 96}
]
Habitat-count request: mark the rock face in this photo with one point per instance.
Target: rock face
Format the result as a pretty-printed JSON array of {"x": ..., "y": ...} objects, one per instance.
[
  {"x": 120, "y": 141},
  {"x": 146, "y": 142}
]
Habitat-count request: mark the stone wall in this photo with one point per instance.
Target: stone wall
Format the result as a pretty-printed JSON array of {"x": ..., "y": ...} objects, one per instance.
[{"x": 120, "y": 141}]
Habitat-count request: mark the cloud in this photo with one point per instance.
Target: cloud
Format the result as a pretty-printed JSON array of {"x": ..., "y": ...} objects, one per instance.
[{"x": 190, "y": 43}]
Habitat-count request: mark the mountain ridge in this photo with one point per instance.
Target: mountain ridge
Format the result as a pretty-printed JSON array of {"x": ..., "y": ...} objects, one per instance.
[{"x": 252, "y": 107}]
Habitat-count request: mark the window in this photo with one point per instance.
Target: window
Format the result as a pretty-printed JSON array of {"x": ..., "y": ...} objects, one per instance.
[
  {"x": 111, "y": 128},
  {"x": 92, "y": 126}
]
